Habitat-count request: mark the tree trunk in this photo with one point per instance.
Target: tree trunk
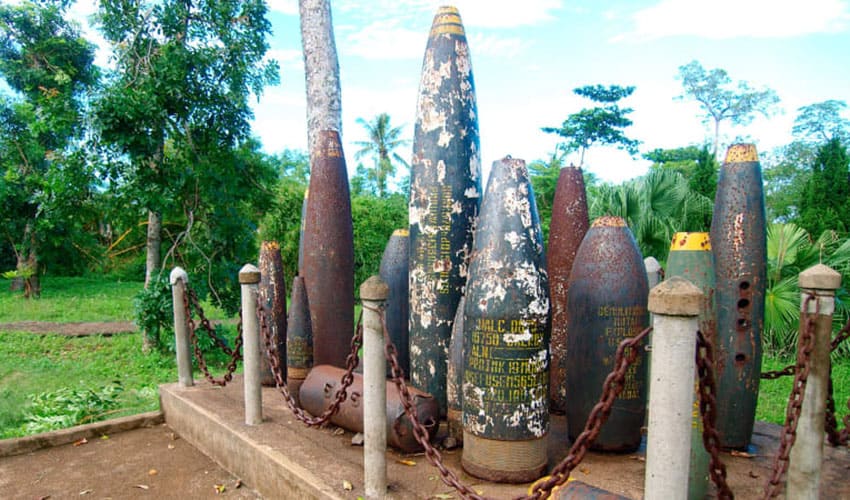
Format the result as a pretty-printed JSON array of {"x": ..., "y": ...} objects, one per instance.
[
  {"x": 154, "y": 242},
  {"x": 321, "y": 69},
  {"x": 716, "y": 138}
]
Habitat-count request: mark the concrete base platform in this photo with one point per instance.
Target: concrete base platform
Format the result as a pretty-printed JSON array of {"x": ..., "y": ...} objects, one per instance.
[{"x": 282, "y": 458}]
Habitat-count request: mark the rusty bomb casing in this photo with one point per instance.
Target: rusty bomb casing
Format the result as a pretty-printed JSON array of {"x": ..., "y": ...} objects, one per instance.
[
  {"x": 506, "y": 335},
  {"x": 739, "y": 244},
  {"x": 567, "y": 229},
  {"x": 299, "y": 338},
  {"x": 690, "y": 258},
  {"x": 607, "y": 304},
  {"x": 272, "y": 295},
  {"x": 454, "y": 388},
  {"x": 319, "y": 391},
  {"x": 394, "y": 272},
  {"x": 445, "y": 187},
  {"x": 329, "y": 253}
]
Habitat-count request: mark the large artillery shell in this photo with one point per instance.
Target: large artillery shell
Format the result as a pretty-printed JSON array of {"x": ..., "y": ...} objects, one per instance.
[
  {"x": 454, "y": 388},
  {"x": 445, "y": 187},
  {"x": 690, "y": 258},
  {"x": 272, "y": 295},
  {"x": 319, "y": 391},
  {"x": 299, "y": 338},
  {"x": 394, "y": 272},
  {"x": 607, "y": 304},
  {"x": 329, "y": 253},
  {"x": 506, "y": 335},
  {"x": 739, "y": 243},
  {"x": 567, "y": 229}
]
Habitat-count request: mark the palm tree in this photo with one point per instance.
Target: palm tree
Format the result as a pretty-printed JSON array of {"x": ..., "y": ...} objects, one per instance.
[
  {"x": 655, "y": 207},
  {"x": 791, "y": 250},
  {"x": 383, "y": 140}
]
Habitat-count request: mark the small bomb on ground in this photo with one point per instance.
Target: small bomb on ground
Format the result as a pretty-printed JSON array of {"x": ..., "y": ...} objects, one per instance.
[
  {"x": 506, "y": 335},
  {"x": 445, "y": 188}
]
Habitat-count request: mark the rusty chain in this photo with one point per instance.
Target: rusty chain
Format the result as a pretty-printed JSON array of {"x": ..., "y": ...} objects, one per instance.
[
  {"x": 205, "y": 323},
  {"x": 274, "y": 365},
  {"x": 626, "y": 355},
  {"x": 835, "y": 436},
  {"x": 234, "y": 353},
  {"x": 708, "y": 411},
  {"x": 805, "y": 345}
]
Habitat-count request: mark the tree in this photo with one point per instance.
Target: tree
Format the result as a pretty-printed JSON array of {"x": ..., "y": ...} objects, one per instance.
[
  {"x": 822, "y": 122},
  {"x": 786, "y": 173},
  {"x": 599, "y": 125},
  {"x": 720, "y": 101},
  {"x": 383, "y": 140},
  {"x": 185, "y": 70},
  {"x": 544, "y": 180},
  {"x": 49, "y": 66},
  {"x": 321, "y": 69},
  {"x": 655, "y": 207},
  {"x": 825, "y": 204}
]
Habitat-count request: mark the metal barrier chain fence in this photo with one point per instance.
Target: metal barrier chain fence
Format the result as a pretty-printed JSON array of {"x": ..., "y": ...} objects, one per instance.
[
  {"x": 274, "y": 365},
  {"x": 805, "y": 345},
  {"x": 235, "y": 353},
  {"x": 708, "y": 411}
]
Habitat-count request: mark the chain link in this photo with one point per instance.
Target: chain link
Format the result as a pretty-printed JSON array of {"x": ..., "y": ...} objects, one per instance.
[
  {"x": 205, "y": 323},
  {"x": 274, "y": 365},
  {"x": 235, "y": 354},
  {"x": 708, "y": 411},
  {"x": 805, "y": 345}
]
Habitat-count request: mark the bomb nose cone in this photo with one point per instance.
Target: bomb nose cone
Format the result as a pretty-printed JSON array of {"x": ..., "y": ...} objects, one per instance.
[{"x": 741, "y": 153}]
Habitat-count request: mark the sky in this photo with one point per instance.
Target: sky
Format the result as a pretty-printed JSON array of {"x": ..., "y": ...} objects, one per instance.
[{"x": 528, "y": 56}]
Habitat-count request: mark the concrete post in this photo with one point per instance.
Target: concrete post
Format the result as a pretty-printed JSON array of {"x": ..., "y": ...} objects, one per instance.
[
  {"x": 675, "y": 305},
  {"x": 249, "y": 277},
  {"x": 373, "y": 293},
  {"x": 807, "y": 453},
  {"x": 179, "y": 280}
]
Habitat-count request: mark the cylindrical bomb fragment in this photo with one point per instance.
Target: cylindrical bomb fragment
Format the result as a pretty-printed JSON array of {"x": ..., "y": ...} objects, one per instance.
[
  {"x": 329, "y": 253},
  {"x": 567, "y": 229},
  {"x": 272, "y": 297},
  {"x": 394, "y": 272},
  {"x": 299, "y": 338},
  {"x": 690, "y": 258},
  {"x": 300, "y": 270},
  {"x": 319, "y": 391},
  {"x": 607, "y": 304},
  {"x": 739, "y": 244},
  {"x": 506, "y": 335},
  {"x": 445, "y": 188},
  {"x": 454, "y": 389}
]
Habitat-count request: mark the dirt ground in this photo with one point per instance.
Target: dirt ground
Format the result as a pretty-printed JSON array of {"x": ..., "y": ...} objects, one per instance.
[{"x": 143, "y": 463}]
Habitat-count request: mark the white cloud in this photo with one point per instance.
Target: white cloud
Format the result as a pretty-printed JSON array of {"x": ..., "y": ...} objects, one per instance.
[
  {"x": 385, "y": 39},
  {"x": 497, "y": 46},
  {"x": 286, "y": 7},
  {"x": 721, "y": 19},
  {"x": 504, "y": 13}
]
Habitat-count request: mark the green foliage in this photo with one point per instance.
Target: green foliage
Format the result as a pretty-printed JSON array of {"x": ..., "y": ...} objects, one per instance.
[
  {"x": 383, "y": 140},
  {"x": 601, "y": 125},
  {"x": 544, "y": 182},
  {"x": 822, "y": 121},
  {"x": 720, "y": 100},
  {"x": 773, "y": 394},
  {"x": 786, "y": 174},
  {"x": 375, "y": 219},
  {"x": 825, "y": 201},
  {"x": 696, "y": 164},
  {"x": 45, "y": 180},
  {"x": 153, "y": 310},
  {"x": 655, "y": 207},
  {"x": 791, "y": 250},
  {"x": 49, "y": 411}
]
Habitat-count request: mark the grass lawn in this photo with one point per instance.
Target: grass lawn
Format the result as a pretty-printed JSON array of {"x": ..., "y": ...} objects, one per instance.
[{"x": 66, "y": 300}]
